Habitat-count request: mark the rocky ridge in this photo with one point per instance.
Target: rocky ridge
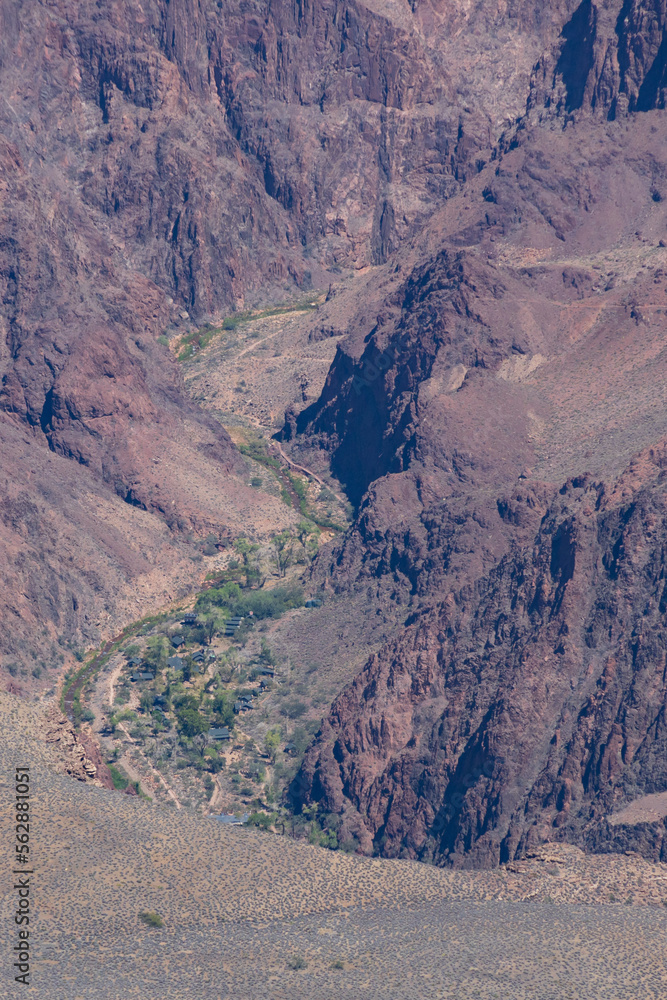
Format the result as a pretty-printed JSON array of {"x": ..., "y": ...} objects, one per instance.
[{"x": 489, "y": 417}]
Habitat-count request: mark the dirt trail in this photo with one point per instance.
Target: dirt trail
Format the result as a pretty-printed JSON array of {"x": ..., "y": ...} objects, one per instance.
[
  {"x": 113, "y": 677},
  {"x": 306, "y": 471},
  {"x": 134, "y": 775}
]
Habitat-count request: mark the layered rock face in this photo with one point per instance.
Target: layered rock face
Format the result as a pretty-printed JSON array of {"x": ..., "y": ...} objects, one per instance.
[
  {"x": 166, "y": 163},
  {"x": 497, "y": 413},
  {"x": 525, "y": 706}
]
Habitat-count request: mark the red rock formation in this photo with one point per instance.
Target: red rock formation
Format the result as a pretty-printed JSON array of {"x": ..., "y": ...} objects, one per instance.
[
  {"x": 525, "y": 706},
  {"x": 529, "y": 701},
  {"x": 502, "y": 168}
]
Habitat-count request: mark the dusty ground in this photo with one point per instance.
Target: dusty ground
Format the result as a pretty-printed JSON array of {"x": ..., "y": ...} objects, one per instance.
[
  {"x": 253, "y": 373},
  {"x": 238, "y": 905}
]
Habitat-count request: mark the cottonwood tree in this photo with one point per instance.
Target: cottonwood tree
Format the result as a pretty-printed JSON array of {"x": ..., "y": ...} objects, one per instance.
[
  {"x": 214, "y": 621},
  {"x": 283, "y": 549},
  {"x": 272, "y": 742},
  {"x": 156, "y": 652},
  {"x": 248, "y": 552}
]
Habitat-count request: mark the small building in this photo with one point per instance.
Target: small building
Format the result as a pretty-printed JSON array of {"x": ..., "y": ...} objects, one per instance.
[
  {"x": 238, "y": 705},
  {"x": 176, "y": 662},
  {"x": 143, "y": 675},
  {"x": 190, "y": 618},
  {"x": 231, "y": 820},
  {"x": 290, "y": 748},
  {"x": 134, "y": 662},
  {"x": 233, "y": 624},
  {"x": 219, "y": 733},
  {"x": 160, "y": 701},
  {"x": 313, "y": 602},
  {"x": 265, "y": 672},
  {"x": 198, "y": 657},
  {"x": 177, "y": 641}
]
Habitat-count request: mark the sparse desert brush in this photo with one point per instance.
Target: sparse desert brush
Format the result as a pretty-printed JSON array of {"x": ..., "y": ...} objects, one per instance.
[
  {"x": 297, "y": 962},
  {"x": 151, "y": 919}
]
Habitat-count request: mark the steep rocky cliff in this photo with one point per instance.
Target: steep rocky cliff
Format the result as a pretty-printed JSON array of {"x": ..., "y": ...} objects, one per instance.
[
  {"x": 497, "y": 414},
  {"x": 167, "y": 163},
  {"x": 525, "y": 706}
]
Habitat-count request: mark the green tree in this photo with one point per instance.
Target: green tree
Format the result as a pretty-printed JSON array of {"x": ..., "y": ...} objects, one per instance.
[
  {"x": 248, "y": 552},
  {"x": 188, "y": 667},
  {"x": 308, "y": 534},
  {"x": 272, "y": 742},
  {"x": 156, "y": 652},
  {"x": 191, "y": 722},
  {"x": 214, "y": 621},
  {"x": 283, "y": 551},
  {"x": 223, "y": 706},
  {"x": 146, "y": 702}
]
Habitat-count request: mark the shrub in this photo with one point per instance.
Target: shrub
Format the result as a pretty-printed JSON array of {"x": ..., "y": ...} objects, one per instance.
[
  {"x": 151, "y": 919},
  {"x": 261, "y": 820},
  {"x": 294, "y": 708},
  {"x": 297, "y": 962},
  {"x": 337, "y": 964},
  {"x": 87, "y": 715},
  {"x": 263, "y": 603},
  {"x": 256, "y": 481},
  {"x": 191, "y": 722},
  {"x": 119, "y": 780}
]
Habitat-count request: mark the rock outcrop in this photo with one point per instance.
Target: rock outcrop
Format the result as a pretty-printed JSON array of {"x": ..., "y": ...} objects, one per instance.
[
  {"x": 164, "y": 164},
  {"x": 78, "y": 755},
  {"x": 507, "y": 396},
  {"x": 524, "y": 707}
]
